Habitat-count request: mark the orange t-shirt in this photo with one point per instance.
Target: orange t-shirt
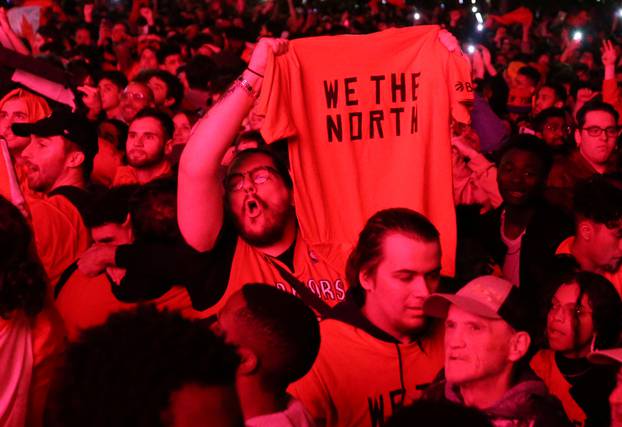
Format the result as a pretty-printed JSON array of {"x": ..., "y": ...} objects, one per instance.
[
  {"x": 59, "y": 232},
  {"x": 320, "y": 267},
  {"x": 543, "y": 364},
  {"x": 126, "y": 175},
  {"x": 84, "y": 302},
  {"x": 615, "y": 278},
  {"x": 48, "y": 351},
  {"x": 368, "y": 117},
  {"x": 358, "y": 380}
]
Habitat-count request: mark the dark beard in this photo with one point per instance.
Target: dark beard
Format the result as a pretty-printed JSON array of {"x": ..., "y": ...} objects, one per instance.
[{"x": 271, "y": 234}]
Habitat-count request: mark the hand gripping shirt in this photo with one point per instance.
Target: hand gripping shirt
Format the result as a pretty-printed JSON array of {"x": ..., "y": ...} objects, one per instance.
[
  {"x": 360, "y": 380},
  {"x": 368, "y": 121}
]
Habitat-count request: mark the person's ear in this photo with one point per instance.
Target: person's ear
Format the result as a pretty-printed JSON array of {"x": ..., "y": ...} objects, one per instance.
[
  {"x": 366, "y": 280},
  {"x": 169, "y": 101},
  {"x": 249, "y": 363},
  {"x": 168, "y": 147},
  {"x": 519, "y": 345},
  {"x": 585, "y": 230},
  {"x": 74, "y": 159}
]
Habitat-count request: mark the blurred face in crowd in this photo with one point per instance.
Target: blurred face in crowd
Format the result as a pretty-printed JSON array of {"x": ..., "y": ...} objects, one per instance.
[
  {"x": 160, "y": 92},
  {"x": 113, "y": 234},
  {"x": 555, "y": 130},
  {"x": 148, "y": 59},
  {"x": 146, "y": 143},
  {"x": 259, "y": 200},
  {"x": 476, "y": 348},
  {"x": 396, "y": 288},
  {"x": 597, "y": 149},
  {"x": 46, "y": 160},
  {"x": 109, "y": 133},
  {"x": 545, "y": 98},
  {"x": 569, "y": 327},
  {"x": 172, "y": 63},
  {"x": 14, "y": 110},
  {"x": 604, "y": 244},
  {"x": 110, "y": 94},
  {"x": 83, "y": 37},
  {"x": 182, "y": 129},
  {"x": 521, "y": 177},
  {"x": 587, "y": 58},
  {"x": 134, "y": 98},
  {"x": 118, "y": 33}
]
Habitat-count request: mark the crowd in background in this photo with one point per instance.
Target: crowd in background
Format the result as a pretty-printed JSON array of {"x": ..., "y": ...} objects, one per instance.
[{"x": 152, "y": 268}]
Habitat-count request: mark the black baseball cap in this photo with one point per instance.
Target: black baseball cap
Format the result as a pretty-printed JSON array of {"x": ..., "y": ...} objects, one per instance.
[{"x": 72, "y": 126}]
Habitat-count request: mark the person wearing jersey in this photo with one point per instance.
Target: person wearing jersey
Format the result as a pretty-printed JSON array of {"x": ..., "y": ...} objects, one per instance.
[
  {"x": 58, "y": 161},
  {"x": 584, "y": 311},
  {"x": 378, "y": 350}
]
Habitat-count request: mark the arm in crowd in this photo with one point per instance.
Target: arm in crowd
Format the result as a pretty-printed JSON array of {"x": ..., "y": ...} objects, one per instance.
[
  {"x": 611, "y": 92},
  {"x": 200, "y": 195}
]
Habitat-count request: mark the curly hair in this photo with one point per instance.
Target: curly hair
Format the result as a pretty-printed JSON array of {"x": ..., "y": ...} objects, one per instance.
[
  {"x": 123, "y": 373},
  {"x": 22, "y": 278}
]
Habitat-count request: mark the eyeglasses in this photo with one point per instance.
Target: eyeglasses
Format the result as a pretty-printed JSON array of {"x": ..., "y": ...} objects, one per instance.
[
  {"x": 553, "y": 128},
  {"x": 136, "y": 96},
  {"x": 597, "y": 131},
  {"x": 570, "y": 309},
  {"x": 258, "y": 176}
]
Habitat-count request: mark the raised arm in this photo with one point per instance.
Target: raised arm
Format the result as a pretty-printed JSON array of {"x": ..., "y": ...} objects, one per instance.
[{"x": 200, "y": 195}]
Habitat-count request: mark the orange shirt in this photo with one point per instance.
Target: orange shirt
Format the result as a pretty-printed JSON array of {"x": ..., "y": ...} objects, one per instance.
[
  {"x": 84, "y": 302},
  {"x": 368, "y": 119},
  {"x": 615, "y": 278},
  {"x": 48, "y": 348},
  {"x": 320, "y": 267},
  {"x": 358, "y": 380},
  {"x": 543, "y": 364},
  {"x": 126, "y": 175},
  {"x": 59, "y": 232}
]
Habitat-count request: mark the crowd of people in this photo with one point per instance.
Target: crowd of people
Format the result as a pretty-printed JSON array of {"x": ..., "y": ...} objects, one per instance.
[{"x": 284, "y": 213}]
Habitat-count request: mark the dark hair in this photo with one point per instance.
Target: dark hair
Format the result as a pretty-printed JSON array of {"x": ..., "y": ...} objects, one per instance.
[
  {"x": 23, "y": 281},
  {"x": 560, "y": 90},
  {"x": 606, "y": 306},
  {"x": 200, "y": 71},
  {"x": 595, "y": 105},
  {"x": 369, "y": 251},
  {"x": 122, "y": 129},
  {"x": 174, "y": 88},
  {"x": 546, "y": 114},
  {"x": 153, "y": 208},
  {"x": 123, "y": 372},
  {"x": 279, "y": 164},
  {"x": 168, "y": 49},
  {"x": 109, "y": 206},
  {"x": 599, "y": 199},
  {"x": 442, "y": 413},
  {"x": 531, "y": 73},
  {"x": 288, "y": 328},
  {"x": 530, "y": 144},
  {"x": 115, "y": 77},
  {"x": 165, "y": 121}
]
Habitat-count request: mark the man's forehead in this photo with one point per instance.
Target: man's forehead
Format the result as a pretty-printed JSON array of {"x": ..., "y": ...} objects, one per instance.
[
  {"x": 245, "y": 162},
  {"x": 599, "y": 116}
]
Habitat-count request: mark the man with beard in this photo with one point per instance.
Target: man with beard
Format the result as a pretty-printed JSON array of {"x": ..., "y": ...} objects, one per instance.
[
  {"x": 264, "y": 244},
  {"x": 134, "y": 98},
  {"x": 57, "y": 162},
  {"x": 149, "y": 139}
]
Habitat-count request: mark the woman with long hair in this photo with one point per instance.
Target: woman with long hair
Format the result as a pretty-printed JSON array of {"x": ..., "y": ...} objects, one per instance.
[{"x": 584, "y": 312}]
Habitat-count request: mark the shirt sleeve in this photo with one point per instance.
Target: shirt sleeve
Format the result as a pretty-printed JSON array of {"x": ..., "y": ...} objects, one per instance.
[{"x": 460, "y": 86}]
